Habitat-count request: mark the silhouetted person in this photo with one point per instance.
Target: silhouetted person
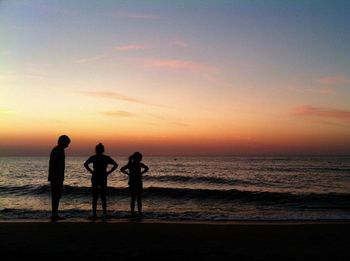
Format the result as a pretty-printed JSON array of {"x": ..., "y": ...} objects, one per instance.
[
  {"x": 56, "y": 173},
  {"x": 134, "y": 169},
  {"x": 99, "y": 173}
]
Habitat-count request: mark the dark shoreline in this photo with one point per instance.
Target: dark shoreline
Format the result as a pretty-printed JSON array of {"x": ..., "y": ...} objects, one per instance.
[
  {"x": 149, "y": 240},
  {"x": 78, "y": 220}
]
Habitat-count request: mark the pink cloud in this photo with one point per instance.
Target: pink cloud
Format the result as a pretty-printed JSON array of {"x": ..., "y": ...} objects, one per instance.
[
  {"x": 130, "y": 47},
  {"x": 322, "y": 112},
  {"x": 180, "y": 43},
  {"x": 333, "y": 80},
  {"x": 178, "y": 65}
]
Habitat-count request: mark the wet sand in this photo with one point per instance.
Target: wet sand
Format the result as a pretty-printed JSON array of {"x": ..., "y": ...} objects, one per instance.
[{"x": 127, "y": 240}]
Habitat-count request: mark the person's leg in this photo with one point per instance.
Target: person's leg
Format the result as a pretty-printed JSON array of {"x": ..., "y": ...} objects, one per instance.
[
  {"x": 133, "y": 198},
  {"x": 56, "y": 193},
  {"x": 54, "y": 204},
  {"x": 94, "y": 198},
  {"x": 103, "y": 191},
  {"x": 139, "y": 200}
]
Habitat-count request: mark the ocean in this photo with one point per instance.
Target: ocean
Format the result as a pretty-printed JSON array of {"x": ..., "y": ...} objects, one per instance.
[{"x": 188, "y": 188}]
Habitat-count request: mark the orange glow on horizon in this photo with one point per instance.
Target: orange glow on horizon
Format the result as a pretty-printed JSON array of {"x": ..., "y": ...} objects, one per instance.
[{"x": 172, "y": 144}]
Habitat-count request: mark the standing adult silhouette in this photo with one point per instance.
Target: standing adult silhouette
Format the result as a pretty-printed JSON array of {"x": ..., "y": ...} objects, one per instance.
[
  {"x": 56, "y": 174},
  {"x": 99, "y": 173},
  {"x": 134, "y": 169}
]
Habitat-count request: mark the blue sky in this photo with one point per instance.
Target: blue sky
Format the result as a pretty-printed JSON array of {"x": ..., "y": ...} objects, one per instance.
[{"x": 246, "y": 69}]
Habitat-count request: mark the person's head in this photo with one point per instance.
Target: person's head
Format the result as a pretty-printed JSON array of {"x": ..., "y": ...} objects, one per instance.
[
  {"x": 63, "y": 141},
  {"x": 100, "y": 148},
  {"x": 137, "y": 156}
]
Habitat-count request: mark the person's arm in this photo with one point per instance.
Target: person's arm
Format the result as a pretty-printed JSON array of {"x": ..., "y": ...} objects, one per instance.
[
  {"x": 124, "y": 168},
  {"x": 145, "y": 168},
  {"x": 114, "y": 166},
  {"x": 86, "y": 165},
  {"x": 52, "y": 164}
]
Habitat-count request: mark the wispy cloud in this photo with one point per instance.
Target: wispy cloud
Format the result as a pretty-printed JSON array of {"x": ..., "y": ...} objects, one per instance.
[
  {"x": 89, "y": 59},
  {"x": 130, "y": 15},
  {"x": 49, "y": 8},
  {"x": 178, "y": 65},
  {"x": 311, "y": 111},
  {"x": 33, "y": 71},
  {"x": 130, "y": 47},
  {"x": 167, "y": 119},
  {"x": 180, "y": 43},
  {"x": 7, "y": 76},
  {"x": 6, "y": 112},
  {"x": 5, "y": 53},
  {"x": 37, "y": 70},
  {"x": 180, "y": 124},
  {"x": 111, "y": 95},
  {"x": 118, "y": 113},
  {"x": 333, "y": 80},
  {"x": 121, "y": 48},
  {"x": 326, "y": 90},
  {"x": 142, "y": 16}
]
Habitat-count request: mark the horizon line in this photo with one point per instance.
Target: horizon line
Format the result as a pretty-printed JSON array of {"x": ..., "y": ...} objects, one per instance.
[{"x": 197, "y": 155}]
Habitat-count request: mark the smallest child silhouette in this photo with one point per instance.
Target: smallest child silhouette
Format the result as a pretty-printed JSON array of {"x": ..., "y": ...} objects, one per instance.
[{"x": 134, "y": 169}]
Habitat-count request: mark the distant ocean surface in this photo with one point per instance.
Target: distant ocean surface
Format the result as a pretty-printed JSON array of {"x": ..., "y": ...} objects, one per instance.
[{"x": 189, "y": 188}]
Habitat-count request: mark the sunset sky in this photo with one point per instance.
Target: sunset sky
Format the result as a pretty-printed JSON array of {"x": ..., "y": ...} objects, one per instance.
[{"x": 175, "y": 77}]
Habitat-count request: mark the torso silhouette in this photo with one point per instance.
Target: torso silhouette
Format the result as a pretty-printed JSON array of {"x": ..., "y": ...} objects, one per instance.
[
  {"x": 135, "y": 177},
  {"x": 56, "y": 164},
  {"x": 100, "y": 163}
]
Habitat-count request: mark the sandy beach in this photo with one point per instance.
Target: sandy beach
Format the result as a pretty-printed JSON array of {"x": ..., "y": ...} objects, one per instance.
[{"x": 125, "y": 240}]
